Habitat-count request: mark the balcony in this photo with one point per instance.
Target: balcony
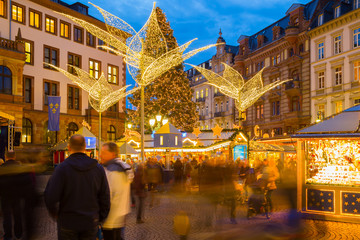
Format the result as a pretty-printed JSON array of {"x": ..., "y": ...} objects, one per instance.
[
  {"x": 12, "y": 45},
  {"x": 201, "y": 117},
  {"x": 292, "y": 87},
  {"x": 219, "y": 114},
  {"x": 200, "y": 100},
  {"x": 218, "y": 94},
  {"x": 291, "y": 34}
]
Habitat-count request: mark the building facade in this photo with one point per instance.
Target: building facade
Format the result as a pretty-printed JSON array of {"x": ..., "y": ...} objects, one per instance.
[
  {"x": 31, "y": 33},
  {"x": 213, "y": 107},
  {"x": 335, "y": 58}
]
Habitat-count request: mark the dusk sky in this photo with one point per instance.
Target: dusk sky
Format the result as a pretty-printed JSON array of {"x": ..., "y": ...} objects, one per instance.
[{"x": 200, "y": 19}]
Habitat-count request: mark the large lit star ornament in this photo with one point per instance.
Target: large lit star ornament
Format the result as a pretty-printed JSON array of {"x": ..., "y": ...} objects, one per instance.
[
  {"x": 232, "y": 84},
  {"x": 217, "y": 130},
  {"x": 145, "y": 52},
  {"x": 196, "y": 131},
  {"x": 101, "y": 94}
]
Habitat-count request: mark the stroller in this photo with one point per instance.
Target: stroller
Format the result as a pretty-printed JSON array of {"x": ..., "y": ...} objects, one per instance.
[{"x": 257, "y": 203}]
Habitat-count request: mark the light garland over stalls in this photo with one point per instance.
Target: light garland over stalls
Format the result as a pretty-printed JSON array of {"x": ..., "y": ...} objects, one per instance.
[{"x": 232, "y": 84}]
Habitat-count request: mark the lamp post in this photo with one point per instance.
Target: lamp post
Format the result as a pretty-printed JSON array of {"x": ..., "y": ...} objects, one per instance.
[{"x": 157, "y": 122}]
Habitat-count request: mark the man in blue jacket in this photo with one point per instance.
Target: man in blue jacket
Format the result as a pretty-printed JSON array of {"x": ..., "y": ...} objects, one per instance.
[{"x": 77, "y": 195}]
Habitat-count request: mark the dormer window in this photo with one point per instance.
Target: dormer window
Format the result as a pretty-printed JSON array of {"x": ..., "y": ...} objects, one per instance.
[
  {"x": 337, "y": 12},
  {"x": 320, "y": 19},
  {"x": 221, "y": 50},
  {"x": 296, "y": 21}
]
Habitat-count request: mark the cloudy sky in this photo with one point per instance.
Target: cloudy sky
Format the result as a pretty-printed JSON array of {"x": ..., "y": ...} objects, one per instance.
[{"x": 200, "y": 19}]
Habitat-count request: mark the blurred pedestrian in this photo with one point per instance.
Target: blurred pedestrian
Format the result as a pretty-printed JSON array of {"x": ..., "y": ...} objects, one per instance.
[
  {"x": 17, "y": 193},
  {"x": 140, "y": 193},
  {"x": 154, "y": 178},
  {"x": 119, "y": 175},
  {"x": 178, "y": 173},
  {"x": 79, "y": 186},
  {"x": 270, "y": 174}
]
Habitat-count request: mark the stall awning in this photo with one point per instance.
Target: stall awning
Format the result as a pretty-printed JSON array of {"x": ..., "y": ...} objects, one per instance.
[
  {"x": 126, "y": 149},
  {"x": 7, "y": 116},
  {"x": 265, "y": 147}
]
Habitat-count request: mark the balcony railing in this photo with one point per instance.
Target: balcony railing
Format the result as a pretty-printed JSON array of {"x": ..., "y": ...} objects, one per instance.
[
  {"x": 201, "y": 117},
  {"x": 292, "y": 84},
  {"x": 200, "y": 100},
  {"x": 218, "y": 94},
  {"x": 11, "y": 45},
  {"x": 219, "y": 114}
]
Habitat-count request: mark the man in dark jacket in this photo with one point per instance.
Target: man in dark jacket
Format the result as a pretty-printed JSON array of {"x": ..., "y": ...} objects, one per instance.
[{"x": 80, "y": 187}]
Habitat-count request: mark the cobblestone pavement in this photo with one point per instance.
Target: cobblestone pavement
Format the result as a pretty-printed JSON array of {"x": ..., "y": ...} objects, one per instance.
[{"x": 208, "y": 223}]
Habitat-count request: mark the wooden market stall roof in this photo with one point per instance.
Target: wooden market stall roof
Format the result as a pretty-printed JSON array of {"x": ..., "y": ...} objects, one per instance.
[
  {"x": 126, "y": 149},
  {"x": 168, "y": 128},
  {"x": 345, "y": 123}
]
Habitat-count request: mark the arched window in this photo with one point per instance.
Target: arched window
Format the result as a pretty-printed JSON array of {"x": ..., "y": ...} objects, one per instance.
[
  {"x": 50, "y": 137},
  {"x": 72, "y": 129},
  {"x": 5, "y": 80},
  {"x": 26, "y": 136},
  {"x": 111, "y": 133}
]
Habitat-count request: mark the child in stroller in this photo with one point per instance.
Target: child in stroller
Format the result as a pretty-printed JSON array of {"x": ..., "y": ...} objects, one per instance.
[{"x": 257, "y": 203}]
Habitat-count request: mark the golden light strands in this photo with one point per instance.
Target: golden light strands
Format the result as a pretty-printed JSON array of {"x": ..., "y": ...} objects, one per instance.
[
  {"x": 232, "y": 84},
  {"x": 139, "y": 48},
  {"x": 101, "y": 94}
]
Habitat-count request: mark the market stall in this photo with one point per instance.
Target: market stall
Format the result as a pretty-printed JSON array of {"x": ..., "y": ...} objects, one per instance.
[
  {"x": 329, "y": 168},
  {"x": 126, "y": 151}
]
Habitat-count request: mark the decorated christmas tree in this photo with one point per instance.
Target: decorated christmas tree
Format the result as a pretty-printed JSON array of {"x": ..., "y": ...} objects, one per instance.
[{"x": 169, "y": 95}]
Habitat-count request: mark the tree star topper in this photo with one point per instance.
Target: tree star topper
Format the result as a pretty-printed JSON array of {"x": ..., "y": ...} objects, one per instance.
[
  {"x": 232, "y": 84},
  {"x": 217, "y": 130}
]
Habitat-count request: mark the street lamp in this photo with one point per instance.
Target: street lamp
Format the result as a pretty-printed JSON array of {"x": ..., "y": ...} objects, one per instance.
[
  {"x": 152, "y": 122},
  {"x": 129, "y": 125},
  {"x": 164, "y": 121},
  {"x": 158, "y": 118}
]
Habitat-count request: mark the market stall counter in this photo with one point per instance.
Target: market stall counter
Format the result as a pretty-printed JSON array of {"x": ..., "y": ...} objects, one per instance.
[{"x": 329, "y": 168}]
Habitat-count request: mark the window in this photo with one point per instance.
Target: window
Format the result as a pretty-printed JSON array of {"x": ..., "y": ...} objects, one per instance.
[
  {"x": 275, "y": 108},
  {"x": 227, "y": 105},
  {"x": 5, "y": 80},
  {"x": 50, "y": 25},
  {"x": 78, "y": 35},
  {"x": 338, "y": 106},
  {"x": 207, "y": 110},
  {"x": 29, "y": 52},
  {"x": 113, "y": 74},
  {"x": 94, "y": 68},
  {"x": 65, "y": 30},
  {"x": 202, "y": 93},
  {"x": 321, "y": 80},
  {"x": 356, "y": 4},
  {"x": 216, "y": 90},
  {"x": 26, "y": 134},
  {"x": 111, "y": 133},
  {"x": 18, "y": 13},
  {"x": 206, "y": 92},
  {"x": 278, "y": 59},
  {"x": 221, "y": 107},
  {"x": 338, "y": 76},
  {"x": 3, "y": 8},
  {"x": 295, "y": 104},
  {"x": 357, "y": 101},
  {"x": 320, "y": 50},
  {"x": 243, "y": 115},
  {"x": 161, "y": 140},
  {"x": 28, "y": 89},
  {"x": 273, "y": 60},
  {"x": 114, "y": 108},
  {"x": 72, "y": 129},
  {"x": 197, "y": 95},
  {"x": 73, "y": 60},
  {"x": 34, "y": 19},
  {"x": 337, "y": 45},
  {"x": 337, "y": 12},
  {"x": 320, "y": 19},
  {"x": 260, "y": 111},
  {"x": 101, "y": 43},
  {"x": 247, "y": 71},
  {"x": 296, "y": 22},
  {"x": 357, "y": 71},
  {"x": 357, "y": 37},
  {"x": 50, "y": 89},
  {"x": 51, "y": 55},
  {"x": 90, "y": 40},
  {"x": 176, "y": 140},
  {"x": 73, "y": 97},
  {"x": 50, "y": 136},
  {"x": 321, "y": 112}
]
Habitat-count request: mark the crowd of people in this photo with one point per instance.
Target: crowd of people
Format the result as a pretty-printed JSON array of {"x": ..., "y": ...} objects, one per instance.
[{"x": 90, "y": 199}]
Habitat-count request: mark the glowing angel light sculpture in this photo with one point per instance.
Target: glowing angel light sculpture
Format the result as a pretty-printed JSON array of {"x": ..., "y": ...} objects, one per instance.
[
  {"x": 232, "y": 84},
  {"x": 101, "y": 94},
  {"x": 146, "y": 52}
]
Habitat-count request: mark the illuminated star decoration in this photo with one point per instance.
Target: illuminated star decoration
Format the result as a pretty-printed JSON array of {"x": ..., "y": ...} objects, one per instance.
[
  {"x": 196, "y": 132},
  {"x": 217, "y": 130},
  {"x": 232, "y": 84},
  {"x": 138, "y": 50},
  {"x": 101, "y": 94}
]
